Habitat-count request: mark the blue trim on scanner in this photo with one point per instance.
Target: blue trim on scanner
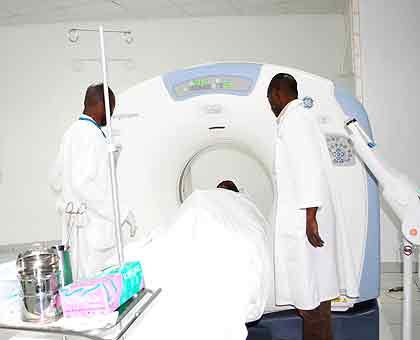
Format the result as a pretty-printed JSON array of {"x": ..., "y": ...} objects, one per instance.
[
  {"x": 244, "y": 70},
  {"x": 370, "y": 284}
]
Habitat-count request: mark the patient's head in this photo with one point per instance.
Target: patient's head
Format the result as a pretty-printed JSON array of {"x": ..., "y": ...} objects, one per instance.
[{"x": 228, "y": 185}]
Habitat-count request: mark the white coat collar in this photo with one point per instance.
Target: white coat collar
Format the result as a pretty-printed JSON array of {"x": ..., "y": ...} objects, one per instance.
[
  {"x": 289, "y": 107},
  {"x": 90, "y": 119},
  {"x": 87, "y": 117}
]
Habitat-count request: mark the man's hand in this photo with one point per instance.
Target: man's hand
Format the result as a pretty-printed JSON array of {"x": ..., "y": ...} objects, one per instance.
[{"x": 312, "y": 230}]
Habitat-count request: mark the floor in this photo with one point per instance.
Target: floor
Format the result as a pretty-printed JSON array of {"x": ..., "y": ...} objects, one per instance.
[
  {"x": 391, "y": 309},
  {"x": 390, "y": 306}
]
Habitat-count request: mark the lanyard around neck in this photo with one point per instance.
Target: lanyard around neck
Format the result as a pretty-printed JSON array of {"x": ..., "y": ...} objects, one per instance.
[{"x": 94, "y": 123}]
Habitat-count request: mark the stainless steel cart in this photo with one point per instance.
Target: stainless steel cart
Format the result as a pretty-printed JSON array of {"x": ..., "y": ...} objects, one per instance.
[{"x": 129, "y": 313}]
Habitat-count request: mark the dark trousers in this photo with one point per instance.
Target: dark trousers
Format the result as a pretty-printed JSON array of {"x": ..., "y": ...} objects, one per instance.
[{"x": 317, "y": 322}]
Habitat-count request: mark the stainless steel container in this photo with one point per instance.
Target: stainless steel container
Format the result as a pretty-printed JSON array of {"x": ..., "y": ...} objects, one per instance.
[{"x": 39, "y": 277}]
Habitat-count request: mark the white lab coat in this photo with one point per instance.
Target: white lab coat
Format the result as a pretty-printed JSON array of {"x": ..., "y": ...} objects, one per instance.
[
  {"x": 304, "y": 276},
  {"x": 81, "y": 175}
]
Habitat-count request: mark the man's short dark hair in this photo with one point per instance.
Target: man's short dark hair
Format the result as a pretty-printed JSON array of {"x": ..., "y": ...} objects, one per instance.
[
  {"x": 228, "y": 185},
  {"x": 95, "y": 94},
  {"x": 284, "y": 82}
]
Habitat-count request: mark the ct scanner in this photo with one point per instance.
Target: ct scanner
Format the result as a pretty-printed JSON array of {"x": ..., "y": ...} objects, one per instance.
[{"x": 200, "y": 125}]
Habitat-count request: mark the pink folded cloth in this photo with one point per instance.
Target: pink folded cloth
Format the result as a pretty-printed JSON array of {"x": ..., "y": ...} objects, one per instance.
[{"x": 104, "y": 294}]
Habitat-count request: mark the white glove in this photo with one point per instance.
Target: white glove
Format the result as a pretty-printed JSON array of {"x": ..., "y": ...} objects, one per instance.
[
  {"x": 117, "y": 153},
  {"x": 131, "y": 221}
]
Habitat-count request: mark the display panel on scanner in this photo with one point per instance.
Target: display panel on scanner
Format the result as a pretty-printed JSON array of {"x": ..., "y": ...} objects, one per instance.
[
  {"x": 219, "y": 84},
  {"x": 236, "y": 79}
]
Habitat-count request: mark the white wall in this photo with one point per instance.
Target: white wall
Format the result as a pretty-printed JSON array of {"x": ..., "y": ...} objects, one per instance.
[
  {"x": 42, "y": 92},
  {"x": 390, "y": 40}
]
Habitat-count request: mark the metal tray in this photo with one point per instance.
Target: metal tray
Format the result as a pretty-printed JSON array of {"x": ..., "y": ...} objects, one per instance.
[{"x": 129, "y": 313}]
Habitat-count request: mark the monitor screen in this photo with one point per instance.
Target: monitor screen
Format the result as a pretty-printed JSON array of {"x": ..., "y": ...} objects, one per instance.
[{"x": 213, "y": 84}]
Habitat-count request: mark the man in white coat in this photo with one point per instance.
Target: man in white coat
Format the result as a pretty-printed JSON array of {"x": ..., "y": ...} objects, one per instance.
[
  {"x": 305, "y": 246},
  {"x": 81, "y": 179}
]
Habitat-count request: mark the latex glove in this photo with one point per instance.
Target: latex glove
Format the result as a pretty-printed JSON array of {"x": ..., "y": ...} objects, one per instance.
[
  {"x": 117, "y": 153},
  {"x": 131, "y": 221}
]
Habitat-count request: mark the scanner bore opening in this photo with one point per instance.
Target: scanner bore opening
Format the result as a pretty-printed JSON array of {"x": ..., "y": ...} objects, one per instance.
[{"x": 259, "y": 184}]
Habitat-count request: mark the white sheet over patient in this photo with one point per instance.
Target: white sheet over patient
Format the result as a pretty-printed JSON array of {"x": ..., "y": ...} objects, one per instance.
[{"x": 213, "y": 266}]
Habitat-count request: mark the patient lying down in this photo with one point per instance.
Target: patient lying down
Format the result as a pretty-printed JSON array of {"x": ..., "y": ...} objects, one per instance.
[{"x": 212, "y": 263}]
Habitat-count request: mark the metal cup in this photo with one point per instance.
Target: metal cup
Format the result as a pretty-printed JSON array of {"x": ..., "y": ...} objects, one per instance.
[{"x": 39, "y": 277}]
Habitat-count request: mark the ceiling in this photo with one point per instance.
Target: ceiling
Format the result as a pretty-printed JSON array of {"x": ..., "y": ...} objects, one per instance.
[{"x": 19, "y": 12}]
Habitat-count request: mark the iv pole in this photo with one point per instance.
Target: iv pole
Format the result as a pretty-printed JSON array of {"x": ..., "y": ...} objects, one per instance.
[
  {"x": 73, "y": 37},
  {"x": 111, "y": 155}
]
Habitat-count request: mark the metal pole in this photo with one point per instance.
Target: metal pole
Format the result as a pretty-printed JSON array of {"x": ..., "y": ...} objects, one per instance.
[
  {"x": 356, "y": 48},
  {"x": 111, "y": 156},
  {"x": 408, "y": 255}
]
